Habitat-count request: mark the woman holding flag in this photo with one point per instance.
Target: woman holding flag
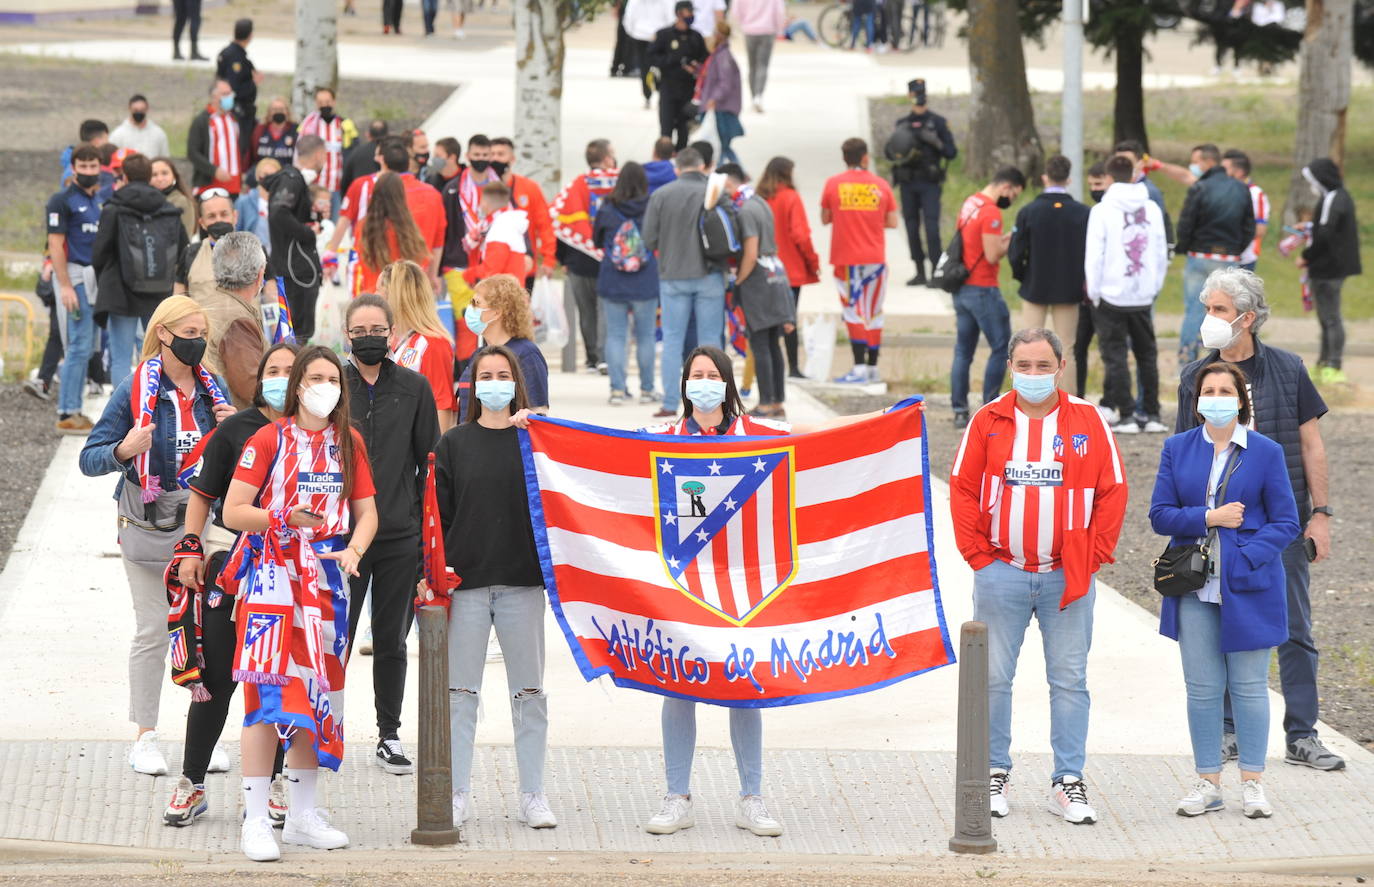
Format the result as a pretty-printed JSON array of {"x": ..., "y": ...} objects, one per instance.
[
  {"x": 153, "y": 420},
  {"x": 301, "y": 485}
]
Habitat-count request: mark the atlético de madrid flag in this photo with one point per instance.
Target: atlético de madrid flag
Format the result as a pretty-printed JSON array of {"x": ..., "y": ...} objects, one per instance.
[{"x": 741, "y": 571}]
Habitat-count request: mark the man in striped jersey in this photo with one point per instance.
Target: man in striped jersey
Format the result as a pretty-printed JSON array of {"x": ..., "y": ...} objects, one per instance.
[{"x": 1037, "y": 495}]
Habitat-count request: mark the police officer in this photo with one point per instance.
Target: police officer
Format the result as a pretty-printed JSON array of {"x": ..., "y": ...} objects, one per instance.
[
  {"x": 233, "y": 66},
  {"x": 675, "y": 58},
  {"x": 919, "y": 148}
]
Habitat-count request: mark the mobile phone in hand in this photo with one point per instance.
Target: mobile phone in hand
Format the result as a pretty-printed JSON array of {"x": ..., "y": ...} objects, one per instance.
[
  {"x": 1310, "y": 546},
  {"x": 308, "y": 513}
]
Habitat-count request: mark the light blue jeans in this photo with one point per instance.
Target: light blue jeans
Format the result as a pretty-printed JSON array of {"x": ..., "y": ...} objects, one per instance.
[
  {"x": 680, "y": 745},
  {"x": 1209, "y": 674},
  {"x": 1195, "y": 273},
  {"x": 517, "y": 614},
  {"x": 1005, "y": 598},
  {"x": 621, "y": 319},
  {"x": 125, "y": 344},
  {"x": 80, "y": 339},
  {"x": 702, "y": 298}
]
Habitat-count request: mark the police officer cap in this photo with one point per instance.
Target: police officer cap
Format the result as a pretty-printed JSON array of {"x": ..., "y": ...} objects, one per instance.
[{"x": 917, "y": 87}]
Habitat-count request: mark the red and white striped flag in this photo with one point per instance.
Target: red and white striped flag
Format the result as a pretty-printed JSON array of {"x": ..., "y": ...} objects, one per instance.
[{"x": 742, "y": 571}]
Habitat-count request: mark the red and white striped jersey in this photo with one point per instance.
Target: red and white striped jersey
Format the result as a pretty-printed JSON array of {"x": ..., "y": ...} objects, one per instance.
[
  {"x": 224, "y": 150},
  {"x": 1027, "y": 524},
  {"x": 332, "y": 133},
  {"x": 1260, "y": 201},
  {"x": 354, "y": 205}
]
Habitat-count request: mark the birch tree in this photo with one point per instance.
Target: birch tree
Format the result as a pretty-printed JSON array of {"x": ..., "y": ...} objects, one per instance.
[
  {"x": 539, "y": 53},
  {"x": 1328, "y": 48},
  {"x": 317, "y": 53}
]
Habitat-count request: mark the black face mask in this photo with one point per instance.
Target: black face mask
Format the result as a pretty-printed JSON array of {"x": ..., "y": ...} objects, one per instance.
[
  {"x": 139, "y": 116},
  {"x": 500, "y": 167},
  {"x": 216, "y": 230},
  {"x": 278, "y": 118},
  {"x": 327, "y": 113},
  {"x": 169, "y": 189},
  {"x": 422, "y": 158},
  {"x": 479, "y": 165},
  {"x": 688, "y": 19},
  {"x": 188, "y": 351},
  {"x": 87, "y": 180},
  {"x": 1003, "y": 202},
  {"x": 1098, "y": 194},
  {"x": 369, "y": 350}
]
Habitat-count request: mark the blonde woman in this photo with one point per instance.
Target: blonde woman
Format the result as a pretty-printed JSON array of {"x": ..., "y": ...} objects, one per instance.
[
  {"x": 152, "y": 422},
  {"x": 500, "y": 315},
  {"x": 419, "y": 340}
]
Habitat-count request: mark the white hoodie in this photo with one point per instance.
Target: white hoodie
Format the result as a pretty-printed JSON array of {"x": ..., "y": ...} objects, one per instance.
[{"x": 1126, "y": 257}]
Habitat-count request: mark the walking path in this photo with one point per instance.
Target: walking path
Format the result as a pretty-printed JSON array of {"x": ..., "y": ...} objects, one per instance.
[{"x": 869, "y": 775}]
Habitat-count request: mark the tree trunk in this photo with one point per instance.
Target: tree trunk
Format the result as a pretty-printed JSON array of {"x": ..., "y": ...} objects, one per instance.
[
  {"x": 1128, "y": 113},
  {"x": 539, "y": 90},
  {"x": 1002, "y": 126},
  {"x": 1323, "y": 94},
  {"x": 317, "y": 53}
]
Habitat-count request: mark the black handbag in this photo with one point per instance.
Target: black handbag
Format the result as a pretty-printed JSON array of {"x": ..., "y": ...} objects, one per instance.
[{"x": 1182, "y": 569}]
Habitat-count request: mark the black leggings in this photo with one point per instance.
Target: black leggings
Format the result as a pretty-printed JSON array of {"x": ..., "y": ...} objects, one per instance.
[
  {"x": 186, "y": 11},
  {"x": 768, "y": 364},
  {"x": 789, "y": 340}
]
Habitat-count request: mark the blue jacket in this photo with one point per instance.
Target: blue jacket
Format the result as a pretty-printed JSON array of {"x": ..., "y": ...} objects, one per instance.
[
  {"x": 659, "y": 173},
  {"x": 98, "y": 455},
  {"x": 1254, "y": 604}
]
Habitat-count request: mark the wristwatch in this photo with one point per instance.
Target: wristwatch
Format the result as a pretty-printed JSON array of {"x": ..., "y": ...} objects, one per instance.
[{"x": 1323, "y": 509}]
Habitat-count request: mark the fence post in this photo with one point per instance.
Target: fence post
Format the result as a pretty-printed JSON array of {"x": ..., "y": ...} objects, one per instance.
[
  {"x": 972, "y": 816},
  {"x": 570, "y": 311},
  {"x": 434, "y": 785}
]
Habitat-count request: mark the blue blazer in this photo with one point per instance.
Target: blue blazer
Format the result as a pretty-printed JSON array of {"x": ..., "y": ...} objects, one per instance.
[{"x": 1254, "y": 603}]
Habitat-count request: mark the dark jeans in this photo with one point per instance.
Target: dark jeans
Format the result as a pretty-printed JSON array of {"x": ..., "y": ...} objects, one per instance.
[
  {"x": 979, "y": 310},
  {"x": 1326, "y": 294},
  {"x": 391, "y": 567},
  {"x": 590, "y": 321},
  {"x": 1082, "y": 345},
  {"x": 52, "y": 351},
  {"x": 186, "y": 12},
  {"x": 921, "y": 203},
  {"x": 674, "y": 114},
  {"x": 789, "y": 340},
  {"x": 768, "y": 364},
  {"x": 302, "y": 305},
  {"x": 1297, "y": 655},
  {"x": 391, "y": 14},
  {"x": 1120, "y": 330},
  {"x": 429, "y": 9}
]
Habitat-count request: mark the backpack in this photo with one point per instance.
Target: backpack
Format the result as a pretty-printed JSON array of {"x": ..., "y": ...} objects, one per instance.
[
  {"x": 720, "y": 238},
  {"x": 627, "y": 252},
  {"x": 951, "y": 272},
  {"x": 148, "y": 251}
]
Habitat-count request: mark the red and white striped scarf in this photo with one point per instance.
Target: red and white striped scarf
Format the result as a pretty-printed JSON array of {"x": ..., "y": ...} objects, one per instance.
[
  {"x": 332, "y": 133},
  {"x": 470, "y": 200},
  {"x": 144, "y": 394},
  {"x": 224, "y": 146}
]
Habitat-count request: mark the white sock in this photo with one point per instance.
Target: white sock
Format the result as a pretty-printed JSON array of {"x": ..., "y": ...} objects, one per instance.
[
  {"x": 255, "y": 789},
  {"x": 300, "y": 787}
]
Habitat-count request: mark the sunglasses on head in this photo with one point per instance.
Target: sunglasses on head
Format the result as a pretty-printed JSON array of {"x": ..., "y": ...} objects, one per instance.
[{"x": 213, "y": 192}]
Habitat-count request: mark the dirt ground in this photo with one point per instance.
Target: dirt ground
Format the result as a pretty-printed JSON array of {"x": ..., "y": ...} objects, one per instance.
[{"x": 27, "y": 442}]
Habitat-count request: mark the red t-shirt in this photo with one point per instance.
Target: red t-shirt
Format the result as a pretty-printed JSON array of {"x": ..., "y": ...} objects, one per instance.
[
  {"x": 259, "y": 458},
  {"x": 978, "y": 216},
  {"x": 431, "y": 357},
  {"x": 858, "y": 202},
  {"x": 354, "y": 205},
  {"x": 427, "y": 206}
]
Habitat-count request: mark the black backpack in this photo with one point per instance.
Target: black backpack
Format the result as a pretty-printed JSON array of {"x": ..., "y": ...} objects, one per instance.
[
  {"x": 148, "y": 250},
  {"x": 951, "y": 272},
  {"x": 719, "y": 225}
]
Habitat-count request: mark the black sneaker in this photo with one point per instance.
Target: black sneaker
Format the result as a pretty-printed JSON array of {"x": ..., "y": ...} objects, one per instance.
[
  {"x": 391, "y": 757},
  {"x": 918, "y": 280},
  {"x": 1230, "y": 751},
  {"x": 1309, "y": 752},
  {"x": 960, "y": 419}
]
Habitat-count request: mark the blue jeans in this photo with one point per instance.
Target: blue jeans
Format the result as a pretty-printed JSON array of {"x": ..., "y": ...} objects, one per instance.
[
  {"x": 80, "y": 341},
  {"x": 699, "y": 299},
  {"x": 619, "y": 318},
  {"x": 979, "y": 309},
  {"x": 517, "y": 614},
  {"x": 680, "y": 743},
  {"x": 1005, "y": 598},
  {"x": 125, "y": 344},
  {"x": 1195, "y": 273},
  {"x": 864, "y": 21},
  {"x": 1209, "y": 674}
]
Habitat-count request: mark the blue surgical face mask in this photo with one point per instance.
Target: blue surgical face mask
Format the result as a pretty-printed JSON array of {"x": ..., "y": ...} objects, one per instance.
[
  {"x": 1195, "y": 170},
  {"x": 706, "y": 394},
  {"x": 274, "y": 392},
  {"x": 227, "y": 102},
  {"x": 495, "y": 394},
  {"x": 1035, "y": 389},
  {"x": 472, "y": 316},
  {"x": 1219, "y": 411}
]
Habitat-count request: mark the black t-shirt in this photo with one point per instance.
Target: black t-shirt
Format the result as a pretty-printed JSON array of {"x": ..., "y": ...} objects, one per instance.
[
  {"x": 221, "y": 457},
  {"x": 480, "y": 480},
  {"x": 1310, "y": 403}
]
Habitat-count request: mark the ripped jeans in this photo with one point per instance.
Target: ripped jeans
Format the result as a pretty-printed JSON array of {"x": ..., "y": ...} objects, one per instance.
[{"x": 517, "y": 613}]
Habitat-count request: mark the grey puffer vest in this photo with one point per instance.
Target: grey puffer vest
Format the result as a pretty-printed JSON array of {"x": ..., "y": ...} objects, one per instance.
[{"x": 1274, "y": 396}]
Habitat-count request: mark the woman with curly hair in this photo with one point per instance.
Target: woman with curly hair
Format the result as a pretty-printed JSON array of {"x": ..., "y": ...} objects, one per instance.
[{"x": 500, "y": 314}]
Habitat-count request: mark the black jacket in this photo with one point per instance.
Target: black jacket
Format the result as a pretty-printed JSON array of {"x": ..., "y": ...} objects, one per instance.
[
  {"x": 233, "y": 67},
  {"x": 918, "y": 148},
  {"x": 400, "y": 425},
  {"x": 455, "y": 254},
  {"x": 1335, "y": 249},
  {"x": 1046, "y": 249},
  {"x": 669, "y": 51},
  {"x": 1217, "y": 216},
  {"x": 112, "y": 297},
  {"x": 294, "y": 257},
  {"x": 198, "y": 150}
]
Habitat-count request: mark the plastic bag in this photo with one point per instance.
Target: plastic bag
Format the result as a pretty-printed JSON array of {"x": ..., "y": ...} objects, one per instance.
[
  {"x": 707, "y": 133},
  {"x": 550, "y": 322},
  {"x": 818, "y": 344}
]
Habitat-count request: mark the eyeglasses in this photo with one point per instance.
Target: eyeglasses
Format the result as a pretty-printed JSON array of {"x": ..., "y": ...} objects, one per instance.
[
  {"x": 358, "y": 332},
  {"x": 209, "y": 193}
]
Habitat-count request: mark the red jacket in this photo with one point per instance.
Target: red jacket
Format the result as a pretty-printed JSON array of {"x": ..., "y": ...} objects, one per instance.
[
  {"x": 1094, "y": 488},
  {"x": 525, "y": 195},
  {"x": 793, "y": 232}
]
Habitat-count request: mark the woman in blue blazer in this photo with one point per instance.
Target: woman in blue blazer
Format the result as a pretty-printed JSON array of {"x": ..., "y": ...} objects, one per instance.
[{"x": 1226, "y": 629}]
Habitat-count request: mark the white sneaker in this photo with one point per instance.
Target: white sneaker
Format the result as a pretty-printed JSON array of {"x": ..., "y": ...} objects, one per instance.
[
  {"x": 1256, "y": 805},
  {"x": 751, "y": 814},
  {"x": 873, "y": 374},
  {"x": 257, "y": 841},
  {"x": 673, "y": 816},
  {"x": 462, "y": 807},
  {"x": 313, "y": 830},
  {"x": 146, "y": 757},
  {"x": 365, "y": 642},
  {"x": 535, "y": 812},
  {"x": 277, "y": 803},
  {"x": 1126, "y": 426},
  {"x": 219, "y": 760},
  {"x": 1204, "y": 798},
  {"x": 1154, "y": 426},
  {"x": 459, "y": 35},
  {"x": 1069, "y": 799},
  {"x": 997, "y": 792},
  {"x": 758, "y": 106},
  {"x": 1111, "y": 416}
]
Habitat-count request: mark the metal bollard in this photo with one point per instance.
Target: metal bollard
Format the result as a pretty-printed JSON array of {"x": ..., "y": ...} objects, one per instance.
[
  {"x": 570, "y": 311},
  {"x": 972, "y": 817},
  {"x": 434, "y": 786}
]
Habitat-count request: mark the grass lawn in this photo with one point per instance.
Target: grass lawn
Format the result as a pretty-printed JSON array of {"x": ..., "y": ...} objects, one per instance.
[{"x": 1257, "y": 119}]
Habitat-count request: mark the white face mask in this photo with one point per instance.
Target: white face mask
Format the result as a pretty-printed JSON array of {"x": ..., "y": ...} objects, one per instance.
[
  {"x": 319, "y": 400},
  {"x": 1217, "y": 333},
  {"x": 310, "y": 175}
]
